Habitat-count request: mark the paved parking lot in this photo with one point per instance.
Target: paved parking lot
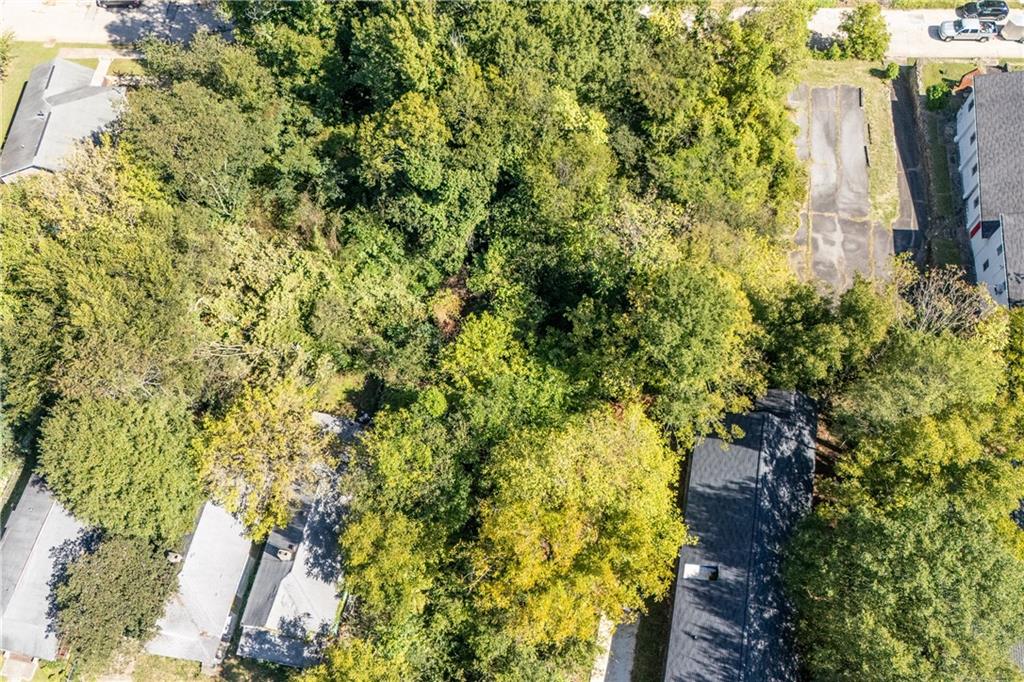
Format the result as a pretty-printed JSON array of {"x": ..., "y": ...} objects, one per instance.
[{"x": 836, "y": 238}]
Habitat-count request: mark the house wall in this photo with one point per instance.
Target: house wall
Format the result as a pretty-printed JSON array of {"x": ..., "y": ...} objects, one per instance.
[
  {"x": 994, "y": 276},
  {"x": 986, "y": 251},
  {"x": 967, "y": 146}
]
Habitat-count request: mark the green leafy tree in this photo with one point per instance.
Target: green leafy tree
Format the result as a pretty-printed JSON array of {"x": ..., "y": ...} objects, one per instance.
[
  {"x": 560, "y": 539},
  {"x": 263, "y": 449},
  {"x": 123, "y": 465},
  {"x": 865, "y": 35},
  {"x": 114, "y": 593},
  {"x": 921, "y": 591},
  {"x": 200, "y": 143},
  {"x": 919, "y": 373},
  {"x": 99, "y": 284}
]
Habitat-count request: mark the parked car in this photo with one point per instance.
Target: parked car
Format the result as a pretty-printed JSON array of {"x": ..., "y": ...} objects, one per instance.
[
  {"x": 995, "y": 10},
  {"x": 110, "y": 4},
  {"x": 968, "y": 29}
]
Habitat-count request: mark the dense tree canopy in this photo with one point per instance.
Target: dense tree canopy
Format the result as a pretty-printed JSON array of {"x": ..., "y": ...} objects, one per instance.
[
  {"x": 123, "y": 465},
  {"x": 925, "y": 591},
  {"x": 114, "y": 593},
  {"x": 542, "y": 245},
  {"x": 263, "y": 450}
]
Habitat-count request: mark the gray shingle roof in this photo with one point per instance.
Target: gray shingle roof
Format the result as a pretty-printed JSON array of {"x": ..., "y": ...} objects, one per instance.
[
  {"x": 1013, "y": 248},
  {"x": 39, "y": 537},
  {"x": 196, "y": 617},
  {"x": 743, "y": 499},
  {"x": 293, "y": 600},
  {"x": 998, "y": 103},
  {"x": 57, "y": 108}
]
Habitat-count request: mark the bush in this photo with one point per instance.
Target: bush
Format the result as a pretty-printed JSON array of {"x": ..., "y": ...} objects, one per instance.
[
  {"x": 937, "y": 96},
  {"x": 866, "y": 35},
  {"x": 892, "y": 71},
  {"x": 6, "y": 49}
]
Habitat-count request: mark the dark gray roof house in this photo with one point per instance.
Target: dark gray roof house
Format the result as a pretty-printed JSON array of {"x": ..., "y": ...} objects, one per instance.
[
  {"x": 293, "y": 604},
  {"x": 991, "y": 155},
  {"x": 40, "y": 536},
  {"x": 730, "y": 619},
  {"x": 294, "y": 599},
  {"x": 58, "y": 107}
]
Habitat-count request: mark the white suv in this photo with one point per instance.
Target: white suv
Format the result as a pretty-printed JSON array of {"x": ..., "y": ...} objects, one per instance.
[{"x": 968, "y": 29}]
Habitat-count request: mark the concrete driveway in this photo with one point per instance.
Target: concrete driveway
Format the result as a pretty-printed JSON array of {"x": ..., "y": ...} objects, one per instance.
[
  {"x": 915, "y": 34},
  {"x": 837, "y": 238},
  {"x": 81, "y": 21}
]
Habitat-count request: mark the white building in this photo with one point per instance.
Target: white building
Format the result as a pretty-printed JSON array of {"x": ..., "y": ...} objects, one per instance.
[
  {"x": 990, "y": 139},
  {"x": 59, "y": 106},
  {"x": 198, "y": 619},
  {"x": 38, "y": 538}
]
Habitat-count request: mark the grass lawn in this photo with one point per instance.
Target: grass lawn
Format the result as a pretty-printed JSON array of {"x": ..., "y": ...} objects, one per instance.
[
  {"x": 948, "y": 72},
  {"x": 944, "y": 252},
  {"x": 149, "y": 668},
  {"x": 24, "y": 57},
  {"x": 235, "y": 669},
  {"x": 942, "y": 187},
  {"x": 882, "y": 174},
  {"x": 652, "y": 641},
  {"x": 125, "y": 67}
]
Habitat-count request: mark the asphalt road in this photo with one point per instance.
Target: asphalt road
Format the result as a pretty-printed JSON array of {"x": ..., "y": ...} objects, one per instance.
[
  {"x": 81, "y": 21},
  {"x": 915, "y": 34}
]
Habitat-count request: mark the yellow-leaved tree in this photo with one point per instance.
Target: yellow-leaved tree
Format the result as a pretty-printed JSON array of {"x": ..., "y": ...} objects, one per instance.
[{"x": 261, "y": 451}]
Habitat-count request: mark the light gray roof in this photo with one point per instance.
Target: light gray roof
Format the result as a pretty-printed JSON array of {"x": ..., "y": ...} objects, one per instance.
[
  {"x": 196, "y": 617},
  {"x": 998, "y": 103},
  {"x": 295, "y": 600},
  {"x": 743, "y": 499},
  {"x": 58, "y": 107},
  {"x": 40, "y": 537}
]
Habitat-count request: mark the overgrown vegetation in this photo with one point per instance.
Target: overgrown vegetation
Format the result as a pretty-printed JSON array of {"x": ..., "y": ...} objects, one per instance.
[{"x": 540, "y": 244}]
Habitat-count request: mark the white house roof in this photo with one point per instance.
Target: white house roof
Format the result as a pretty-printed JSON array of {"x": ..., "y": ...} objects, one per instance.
[
  {"x": 40, "y": 535},
  {"x": 196, "y": 617},
  {"x": 58, "y": 107}
]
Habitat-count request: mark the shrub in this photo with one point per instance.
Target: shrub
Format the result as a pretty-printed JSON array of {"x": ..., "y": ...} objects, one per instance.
[
  {"x": 937, "y": 96},
  {"x": 892, "y": 71},
  {"x": 866, "y": 35},
  {"x": 6, "y": 49}
]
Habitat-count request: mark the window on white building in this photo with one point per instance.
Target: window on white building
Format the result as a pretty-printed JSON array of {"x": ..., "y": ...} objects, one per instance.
[
  {"x": 970, "y": 105},
  {"x": 974, "y": 136},
  {"x": 984, "y": 266},
  {"x": 999, "y": 250},
  {"x": 974, "y": 171}
]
